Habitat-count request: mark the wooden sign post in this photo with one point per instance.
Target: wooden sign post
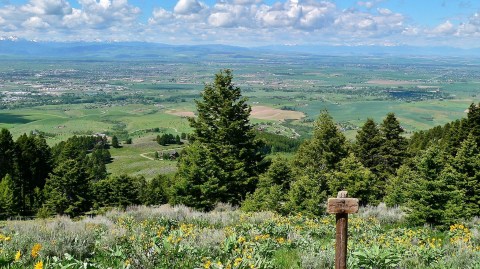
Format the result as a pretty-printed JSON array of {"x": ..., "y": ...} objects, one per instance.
[{"x": 341, "y": 207}]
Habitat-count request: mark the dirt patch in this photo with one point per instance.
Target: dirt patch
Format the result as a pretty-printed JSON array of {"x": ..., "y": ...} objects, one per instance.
[
  {"x": 389, "y": 82},
  {"x": 269, "y": 113},
  {"x": 181, "y": 113},
  {"x": 258, "y": 112}
]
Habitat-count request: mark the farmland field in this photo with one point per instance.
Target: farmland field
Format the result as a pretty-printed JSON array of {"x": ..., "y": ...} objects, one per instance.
[
  {"x": 60, "y": 99},
  {"x": 178, "y": 237}
]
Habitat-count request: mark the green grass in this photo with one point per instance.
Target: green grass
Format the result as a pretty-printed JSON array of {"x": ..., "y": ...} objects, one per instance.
[{"x": 129, "y": 160}]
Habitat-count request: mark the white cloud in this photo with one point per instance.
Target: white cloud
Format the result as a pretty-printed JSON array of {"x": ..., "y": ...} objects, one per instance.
[
  {"x": 47, "y": 7},
  {"x": 35, "y": 22},
  {"x": 446, "y": 28},
  {"x": 102, "y": 14},
  {"x": 246, "y": 22},
  {"x": 471, "y": 27},
  {"x": 160, "y": 15},
  {"x": 187, "y": 7}
]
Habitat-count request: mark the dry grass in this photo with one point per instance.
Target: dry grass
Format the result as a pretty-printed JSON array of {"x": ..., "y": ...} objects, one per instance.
[{"x": 269, "y": 113}]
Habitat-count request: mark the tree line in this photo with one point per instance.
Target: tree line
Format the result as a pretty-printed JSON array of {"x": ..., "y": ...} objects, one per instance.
[
  {"x": 69, "y": 178},
  {"x": 434, "y": 175}
]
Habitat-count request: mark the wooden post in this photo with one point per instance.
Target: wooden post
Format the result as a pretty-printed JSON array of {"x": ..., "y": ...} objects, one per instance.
[{"x": 341, "y": 207}]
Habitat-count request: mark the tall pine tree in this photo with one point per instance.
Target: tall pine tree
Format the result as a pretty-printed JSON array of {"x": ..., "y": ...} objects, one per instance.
[
  {"x": 7, "y": 153},
  {"x": 393, "y": 150},
  {"x": 368, "y": 145},
  {"x": 314, "y": 160},
  {"x": 231, "y": 158}
]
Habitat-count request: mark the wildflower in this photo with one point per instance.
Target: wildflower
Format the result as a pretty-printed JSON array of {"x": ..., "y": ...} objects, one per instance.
[
  {"x": 18, "y": 255},
  {"x": 127, "y": 262},
  {"x": 35, "y": 250},
  {"x": 38, "y": 265},
  {"x": 241, "y": 239},
  {"x": 207, "y": 264},
  {"x": 237, "y": 262}
]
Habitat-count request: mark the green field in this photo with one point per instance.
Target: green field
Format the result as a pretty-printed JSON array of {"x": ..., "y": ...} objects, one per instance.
[{"x": 60, "y": 99}]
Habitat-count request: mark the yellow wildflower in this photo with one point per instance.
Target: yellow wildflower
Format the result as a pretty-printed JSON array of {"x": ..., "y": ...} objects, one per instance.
[
  {"x": 35, "y": 250},
  {"x": 38, "y": 265},
  {"x": 237, "y": 262},
  {"x": 207, "y": 264},
  {"x": 18, "y": 255}
]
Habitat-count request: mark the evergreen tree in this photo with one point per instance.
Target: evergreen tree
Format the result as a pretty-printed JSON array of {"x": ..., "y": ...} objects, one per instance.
[
  {"x": 316, "y": 158},
  {"x": 431, "y": 196},
  {"x": 33, "y": 164},
  {"x": 7, "y": 153},
  {"x": 115, "y": 142},
  {"x": 323, "y": 152},
  {"x": 360, "y": 182},
  {"x": 467, "y": 165},
  {"x": 67, "y": 190},
  {"x": 232, "y": 161},
  {"x": 156, "y": 191},
  {"x": 120, "y": 191},
  {"x": 8, "y": 204},
  {"x": 473, "y": 118},
  {"x": 307, "y": 197},
  {"x": 272, "y": 188},
  {"x": 393, "y": 150},
  {"x": 368, "y": 145},
  {"x": 199, "y": 179}
]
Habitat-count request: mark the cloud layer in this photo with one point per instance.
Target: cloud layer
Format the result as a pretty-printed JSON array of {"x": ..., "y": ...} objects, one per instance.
[{"x": 242, "y": 22}]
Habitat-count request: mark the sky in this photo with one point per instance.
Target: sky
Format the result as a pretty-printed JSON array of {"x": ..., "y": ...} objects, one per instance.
[{"x": 247, "y": 23}]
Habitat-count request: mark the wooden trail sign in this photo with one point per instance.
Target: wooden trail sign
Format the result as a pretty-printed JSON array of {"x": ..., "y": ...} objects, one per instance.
[{"x": 341, "y": 207}]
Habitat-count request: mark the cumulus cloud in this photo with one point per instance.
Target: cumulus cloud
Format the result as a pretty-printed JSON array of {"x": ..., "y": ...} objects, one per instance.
[
  {"x": 226, "y": 21},
  {"x": 186, "y": 7},
  {"x": 102, "y": 14},
  {"x": 471, "y": 27},
  {"x": 445, "y": 28},
  {"x": 35, "y": 22}
]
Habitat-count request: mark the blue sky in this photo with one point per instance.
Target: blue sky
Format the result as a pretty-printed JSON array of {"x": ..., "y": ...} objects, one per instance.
[{"x": 247, "y": 22}]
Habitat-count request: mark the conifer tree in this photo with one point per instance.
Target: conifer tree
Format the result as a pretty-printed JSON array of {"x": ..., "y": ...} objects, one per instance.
[
  {"x": 322, "y": 152},
  {"x": 473, "y": 118},
  {"x": 231, "y": 159},
  {"x": 8, "y": 204},
  {"x": 314, "y": 160},
  {"x": 467, "y": 165},
  {"x": 67, "y": 190},
  {"x": 368, "y": 145},
  {"x": 393, "y": 150},
  {"x": 431, "y": 196},
  {"x": 33, "y": 164},
  {"x": 115, "y": 142},
  {"x": 7, "y": 153},
  {"x": 359, "y": 181},
  {"x": 272, "y": 188}
]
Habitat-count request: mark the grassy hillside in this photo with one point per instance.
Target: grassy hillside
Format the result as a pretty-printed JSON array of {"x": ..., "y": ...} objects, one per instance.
[{"x": 177, "y": 237}]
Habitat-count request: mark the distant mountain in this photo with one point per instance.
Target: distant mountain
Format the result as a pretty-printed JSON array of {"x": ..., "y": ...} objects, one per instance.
[
  {"x": 117, "y": 50},
  {"x": 374, "y": 50},
  {"x": 13, "y": 47}
]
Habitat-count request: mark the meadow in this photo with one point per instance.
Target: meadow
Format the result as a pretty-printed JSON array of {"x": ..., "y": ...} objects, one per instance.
[{"x": 179, "y": 237}]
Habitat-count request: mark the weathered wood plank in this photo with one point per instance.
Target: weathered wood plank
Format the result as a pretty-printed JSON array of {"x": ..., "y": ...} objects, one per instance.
[{"x": 342, "y": 205}]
